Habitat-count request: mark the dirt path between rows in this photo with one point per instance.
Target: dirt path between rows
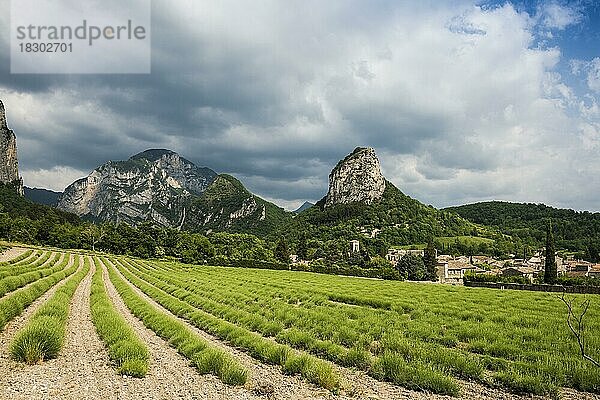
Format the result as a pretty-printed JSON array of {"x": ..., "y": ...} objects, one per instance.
[
  {"x": 170, "y": 375},
  {"x": 12, "y": 253},
  {"x": 81, "y": 371},
  {"x": 9, "y": 370},
  {"x": 263, "y": 377}
]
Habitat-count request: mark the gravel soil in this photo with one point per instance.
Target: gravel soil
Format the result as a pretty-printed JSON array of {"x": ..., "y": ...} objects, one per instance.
[
  {"x": 266, "y": 381},
  {"x": 12, "y": 253},
  {"x": 170, "y": 375}
]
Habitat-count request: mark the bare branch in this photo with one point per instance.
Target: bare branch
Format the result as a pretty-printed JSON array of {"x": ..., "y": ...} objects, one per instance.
[{"x": 576, "y": 324}]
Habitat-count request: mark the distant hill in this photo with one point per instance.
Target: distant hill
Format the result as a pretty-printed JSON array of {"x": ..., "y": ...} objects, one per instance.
[
  {"x": 303, "y": 207},
  {"x": 574, "y": 230},
  {"x": 400, "y": 218},
  {"x": 42, "y": 196},
  {"x": 227, "y": 205}
]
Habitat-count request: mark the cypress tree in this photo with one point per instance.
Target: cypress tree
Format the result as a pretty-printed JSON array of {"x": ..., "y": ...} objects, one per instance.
[
  {"x": 282, "y": 252},
  {"x": 550, "y": 270},
  {"x": 430, "y": 261},
  {"x": 302, "y": 248}
]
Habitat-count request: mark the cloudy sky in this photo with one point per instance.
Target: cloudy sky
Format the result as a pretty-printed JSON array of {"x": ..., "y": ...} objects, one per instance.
[{"x": 463, "y": 101}]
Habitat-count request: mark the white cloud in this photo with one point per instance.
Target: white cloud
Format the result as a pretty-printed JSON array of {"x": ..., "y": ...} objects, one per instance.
[
  {"x": 593, "y": 74},
  {"x": 56, "y": 178},
  {"x": 557, "y": 16},
  {"x": 590, "y": 70}
]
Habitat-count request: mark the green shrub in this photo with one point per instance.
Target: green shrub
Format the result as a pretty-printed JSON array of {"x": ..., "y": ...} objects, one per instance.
[
  {"x": 258, "y": 347},
  {"x": 416, "y": 375},
  {"x": 207, "y": 360},
  {"x": 125, "y": 349},
  {"x": 40, "y": 340},
  {"x": 43, "y": 337},
  {"x": 520, "y": 383}
]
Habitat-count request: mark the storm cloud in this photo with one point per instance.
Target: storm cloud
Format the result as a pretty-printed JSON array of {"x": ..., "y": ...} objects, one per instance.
[{"x": 462, "y": 102}]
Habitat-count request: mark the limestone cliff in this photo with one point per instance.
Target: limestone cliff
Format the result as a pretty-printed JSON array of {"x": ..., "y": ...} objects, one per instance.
[
  {"x": 162, "y": 187},
  {"x": 357, "y": 178},
  {"x": 149, "y": 186},
  {"x": 9, "y": 164}
]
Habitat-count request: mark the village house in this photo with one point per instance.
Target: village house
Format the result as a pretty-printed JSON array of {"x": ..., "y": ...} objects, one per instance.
[
  {"x": 370, "y": 233},
  {"x": 582, "y": 269},
  {"x": 453, "y": 270},
  {"x": 594, "y": 271},
  {"x": 395, "y": 255},
  {"x": 296, "y": 260},
  {"x": 525, "y": 272}
]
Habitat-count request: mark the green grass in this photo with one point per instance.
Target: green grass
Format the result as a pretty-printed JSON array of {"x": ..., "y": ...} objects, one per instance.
[
  {"x": 207, "y": 359},
  {"x": 43, "y": 336},
  {"x": 516, "y": 340},
  {"x": 129, "y": 354}
]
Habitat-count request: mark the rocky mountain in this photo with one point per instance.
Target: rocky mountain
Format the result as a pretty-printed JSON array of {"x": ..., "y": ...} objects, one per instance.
[
  {"x": 228, "y": 205},
  {"x": 152, "y": 185},
  {"x": 165, "y": 188},
  {"x": 42, "y": 196},
  {"x": 356, "y": 178},
  {"x": 303, "y": 207},
  {"x": 9, "y": 164},
  {"x": 362, "y": 204}
]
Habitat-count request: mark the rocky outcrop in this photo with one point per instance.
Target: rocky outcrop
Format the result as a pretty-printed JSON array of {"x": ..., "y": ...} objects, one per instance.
[
  {"x": 9, "y": 164},
  {"x": 153, "y": 185},
  {"x": 162, "y": 187},
  {"x": 357, "y": 178}
]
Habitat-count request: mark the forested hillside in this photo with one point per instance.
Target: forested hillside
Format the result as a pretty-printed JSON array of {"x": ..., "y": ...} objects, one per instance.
[
  {"x": 578, "y": 231},
  {"x": 18, "y": 206}
]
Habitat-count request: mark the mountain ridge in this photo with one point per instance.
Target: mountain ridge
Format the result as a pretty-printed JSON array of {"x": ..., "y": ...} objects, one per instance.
[
  {"x": 42, "y": 196},
  {"x": 159, "y": 185},
  {"x": 577, "y": 231}
]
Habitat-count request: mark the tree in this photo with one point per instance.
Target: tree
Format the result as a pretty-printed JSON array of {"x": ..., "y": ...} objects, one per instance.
[
  {"x": 282, "y": 251},
  {"x": 378, "y": 262},
  {"x": 302, "y": 248},
  {"x": 550, "y": 270},
  {"x": 411, "y": 267},
  {"x": 92, "y": 234},
  {"x": 194, "y": 248},
  {"x": 430, "y": 261}
]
